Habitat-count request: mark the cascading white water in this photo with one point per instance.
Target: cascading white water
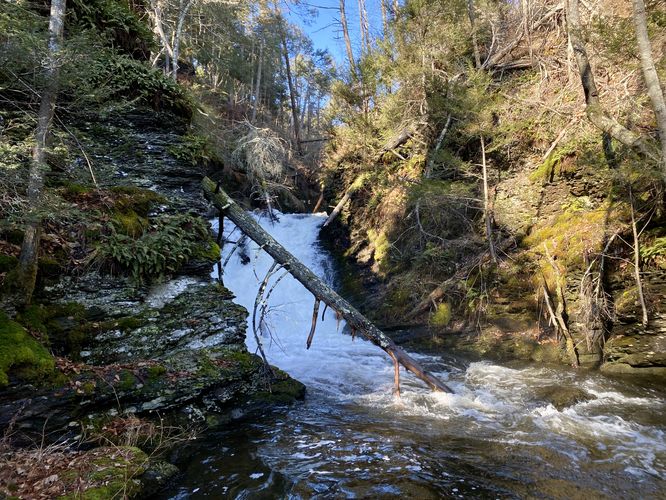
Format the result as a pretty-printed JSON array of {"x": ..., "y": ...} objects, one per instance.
[
  {"x": 334, "y": 362},
  {"x": 350, "y": 424}
]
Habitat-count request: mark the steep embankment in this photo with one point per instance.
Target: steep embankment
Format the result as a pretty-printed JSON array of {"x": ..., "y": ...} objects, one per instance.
[{"x": 560, "y": 197}]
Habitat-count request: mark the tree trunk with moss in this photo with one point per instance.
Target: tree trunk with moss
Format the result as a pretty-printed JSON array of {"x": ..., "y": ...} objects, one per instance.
[
  {"x": 28, "y": 259},
  {"x": 651, "y": 77}
]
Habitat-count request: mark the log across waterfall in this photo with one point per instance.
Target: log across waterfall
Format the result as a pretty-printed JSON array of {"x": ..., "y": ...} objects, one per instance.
[{"x": 322, "y": 292}]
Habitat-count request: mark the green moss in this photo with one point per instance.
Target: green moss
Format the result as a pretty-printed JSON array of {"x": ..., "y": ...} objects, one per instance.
[
  {"x": 399, "y": 298},
  {"x": 49, "y": 267},
  {"x": 432, "y": 188},
  {"x": 88, "y": 388},
  {"x": 129, "y": 223},
  {"x": 244, "y": 360},
  {"x": 382, "y": 246},
  {"x": 34, "y": 318},
  {"x": 129, "y": 323},
  {"x": 14, "y": 236},
  {"x": 208, "y": 251},
  {"x": 156, "y": 371},
  {"x": 20, "y": 352},
  {"x": 192, "y": 149},
  {"x": 136, "y": 199},
  {"x": 7, "y": 263},
  {"x": 570, "y": 235},
  {"x": 72, "y": 190},
  {"x": 127, "y": 380},
  {"x": 282, "y": 391},
  {"x": 114, "y": 474},
  {"x": 442, "y": 316},
  {"x": 544, "y": 172},
  {"x": 63, "y": 326}
]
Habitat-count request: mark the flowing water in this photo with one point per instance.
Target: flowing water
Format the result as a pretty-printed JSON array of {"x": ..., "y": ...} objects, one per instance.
[{"x": 498, "y": 436}]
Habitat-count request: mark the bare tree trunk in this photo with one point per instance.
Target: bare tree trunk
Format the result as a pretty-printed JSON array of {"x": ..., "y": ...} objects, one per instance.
[
  {"x": 156, "y": 14},
  {"x": 258, "y": 87},
  {"x": 322, "y": 292},
  {"x": 27, "y": 267},
  {"x": 384, "y": 17},
  {"x": 431, "y": 161},
  {"x": 637, "y": 263},
  {"x": 651, "y": 77},
  {"x": 365, "y": 28},
  {"x": 345, "y": 34},
  {"x": 487, "y": 213},
  {"x": 472, "y": 21},
  {"x": 304, "y": 104},
  {"x": 182, "y": 14},
  {"x": 292, "y": 97},
  {"x": 595, "y": 113}
]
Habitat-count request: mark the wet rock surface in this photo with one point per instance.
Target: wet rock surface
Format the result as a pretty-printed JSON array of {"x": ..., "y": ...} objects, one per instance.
[
  {"x": 562, "y": 397},
  {"x": 179, "y": 347},
  {"x": 146, "y": 149},
  {"x": 173, "y": 350}
]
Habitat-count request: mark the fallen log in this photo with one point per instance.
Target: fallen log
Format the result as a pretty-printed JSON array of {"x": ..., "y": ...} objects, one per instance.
[
  {"x": 355, "y": 186},
  {"x": 398, "y": 140},
  {"x": 338, "y": 208},
  {"x": 315, "y": 285}
]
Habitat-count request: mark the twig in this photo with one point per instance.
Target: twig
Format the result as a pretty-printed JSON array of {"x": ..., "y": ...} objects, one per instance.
[
  {"x": 78, "y": 143},
  {"x": 257, "y": 300},
  {"x": 561, "y": 310},
  {"x": 637, "y": 262},
  {"x": 315, "y": 314}
]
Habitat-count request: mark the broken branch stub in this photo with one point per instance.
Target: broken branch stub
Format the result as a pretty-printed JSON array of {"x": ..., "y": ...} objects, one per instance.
[{"x": 315, "y": 285}]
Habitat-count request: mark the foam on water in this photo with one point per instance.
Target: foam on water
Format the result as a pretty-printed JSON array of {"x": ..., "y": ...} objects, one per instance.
[
  {"x": 498, "y": 403},
  {"x": 334, "y": 363}
]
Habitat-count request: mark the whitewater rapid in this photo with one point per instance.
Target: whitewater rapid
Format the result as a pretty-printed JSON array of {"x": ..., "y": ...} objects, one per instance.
[
  {"x": 334, "y": 362},
  {"x": 497, "y": 404}
]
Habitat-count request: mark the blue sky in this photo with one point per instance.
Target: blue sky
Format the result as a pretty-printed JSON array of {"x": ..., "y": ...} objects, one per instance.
[{"x": 324, "y": 29}]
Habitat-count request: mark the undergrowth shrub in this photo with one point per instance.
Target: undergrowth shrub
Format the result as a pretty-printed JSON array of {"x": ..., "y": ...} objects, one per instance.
[
  {"x": 164, "y": 248},
  {"x": 115, "y": 21},
  {"x": 127, "y": 79}
]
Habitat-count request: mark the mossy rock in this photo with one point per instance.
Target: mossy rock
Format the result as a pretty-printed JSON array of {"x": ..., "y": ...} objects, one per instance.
[
  {"x": 65, "y": 327},
  {"x": 49, "y": 267},
  {"x": 281, "y": 390},
  {"x": 21, "y": 354},
  {"x": 562, "y": 397},
  {"x": 627, "y": 369},
  {"x": 114, "y": 473},
  {"x": 136, "y": 199}
]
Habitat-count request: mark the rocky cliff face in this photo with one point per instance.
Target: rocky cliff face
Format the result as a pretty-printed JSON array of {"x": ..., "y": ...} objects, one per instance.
[
  {"x": 562, "y": 227},
  {"x": 163, "y": 352}
]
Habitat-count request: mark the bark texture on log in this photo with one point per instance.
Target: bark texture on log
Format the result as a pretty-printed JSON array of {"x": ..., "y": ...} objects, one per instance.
[{"x": 315, "y": 285}]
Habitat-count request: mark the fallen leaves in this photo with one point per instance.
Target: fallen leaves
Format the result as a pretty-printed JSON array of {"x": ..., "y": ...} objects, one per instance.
[{"x": 56, "y": 471}]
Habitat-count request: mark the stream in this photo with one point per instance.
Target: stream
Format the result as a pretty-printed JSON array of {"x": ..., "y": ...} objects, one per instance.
[{"x": 498, "y": 436}]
